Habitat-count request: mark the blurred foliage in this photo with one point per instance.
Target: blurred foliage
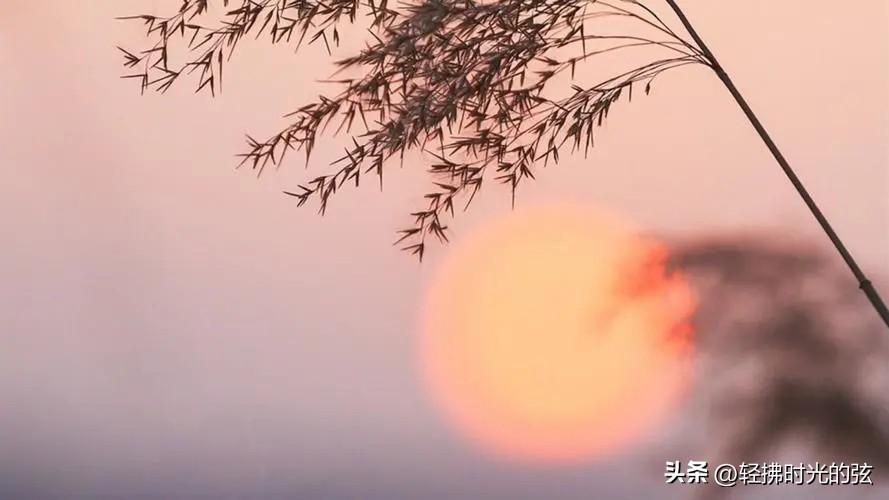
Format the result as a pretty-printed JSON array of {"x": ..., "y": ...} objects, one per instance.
[{"x": 792, "y": 356}]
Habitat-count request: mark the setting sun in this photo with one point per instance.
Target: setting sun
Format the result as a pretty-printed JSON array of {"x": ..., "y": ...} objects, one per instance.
[{"x": 556, "y": 334}]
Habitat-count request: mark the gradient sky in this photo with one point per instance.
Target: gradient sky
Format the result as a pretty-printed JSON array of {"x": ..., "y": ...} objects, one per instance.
[{"x": 172, "y": 326}]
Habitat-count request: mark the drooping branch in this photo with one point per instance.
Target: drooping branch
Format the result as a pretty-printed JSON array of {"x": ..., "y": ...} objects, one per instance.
[
  {"x": 461, "y": 80},
  {"x": 468, "y": 83}
]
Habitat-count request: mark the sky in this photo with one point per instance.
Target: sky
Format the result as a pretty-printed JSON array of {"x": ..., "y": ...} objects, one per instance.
[{"x": 175, "y": 328}]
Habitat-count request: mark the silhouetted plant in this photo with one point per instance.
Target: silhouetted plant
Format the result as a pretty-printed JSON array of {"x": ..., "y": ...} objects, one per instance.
[
  {"x": 794, "y": 365},
  {"x": 465, "y": 81}
]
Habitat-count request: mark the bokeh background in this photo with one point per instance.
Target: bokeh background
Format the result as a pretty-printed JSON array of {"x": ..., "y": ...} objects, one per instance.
[{"x": 173, "y": 328}]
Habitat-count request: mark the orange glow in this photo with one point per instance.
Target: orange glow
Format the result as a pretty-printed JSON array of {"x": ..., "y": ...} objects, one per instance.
[{"x": 556, "y": 334}]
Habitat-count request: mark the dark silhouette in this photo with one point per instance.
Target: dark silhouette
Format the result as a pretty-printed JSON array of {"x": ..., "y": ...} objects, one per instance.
[
  {"x": 794, "y": 363},
  {"x": 462, "y": 80},
  {"x": 814, "y": 363}
]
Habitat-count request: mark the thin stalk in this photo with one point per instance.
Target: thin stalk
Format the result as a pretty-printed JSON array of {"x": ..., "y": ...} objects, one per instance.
[{"x": 863, "y": 282}]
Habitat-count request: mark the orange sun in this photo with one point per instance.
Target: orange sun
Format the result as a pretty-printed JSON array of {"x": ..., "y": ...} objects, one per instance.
[{"x": 556, "y": 334}]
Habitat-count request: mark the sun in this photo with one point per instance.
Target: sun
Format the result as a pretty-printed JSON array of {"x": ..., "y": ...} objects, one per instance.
[{"x": 556, "y": 334}]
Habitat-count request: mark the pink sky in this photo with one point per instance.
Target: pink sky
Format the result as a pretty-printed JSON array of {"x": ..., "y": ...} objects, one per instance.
[{"x": 143, "y": 272}]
